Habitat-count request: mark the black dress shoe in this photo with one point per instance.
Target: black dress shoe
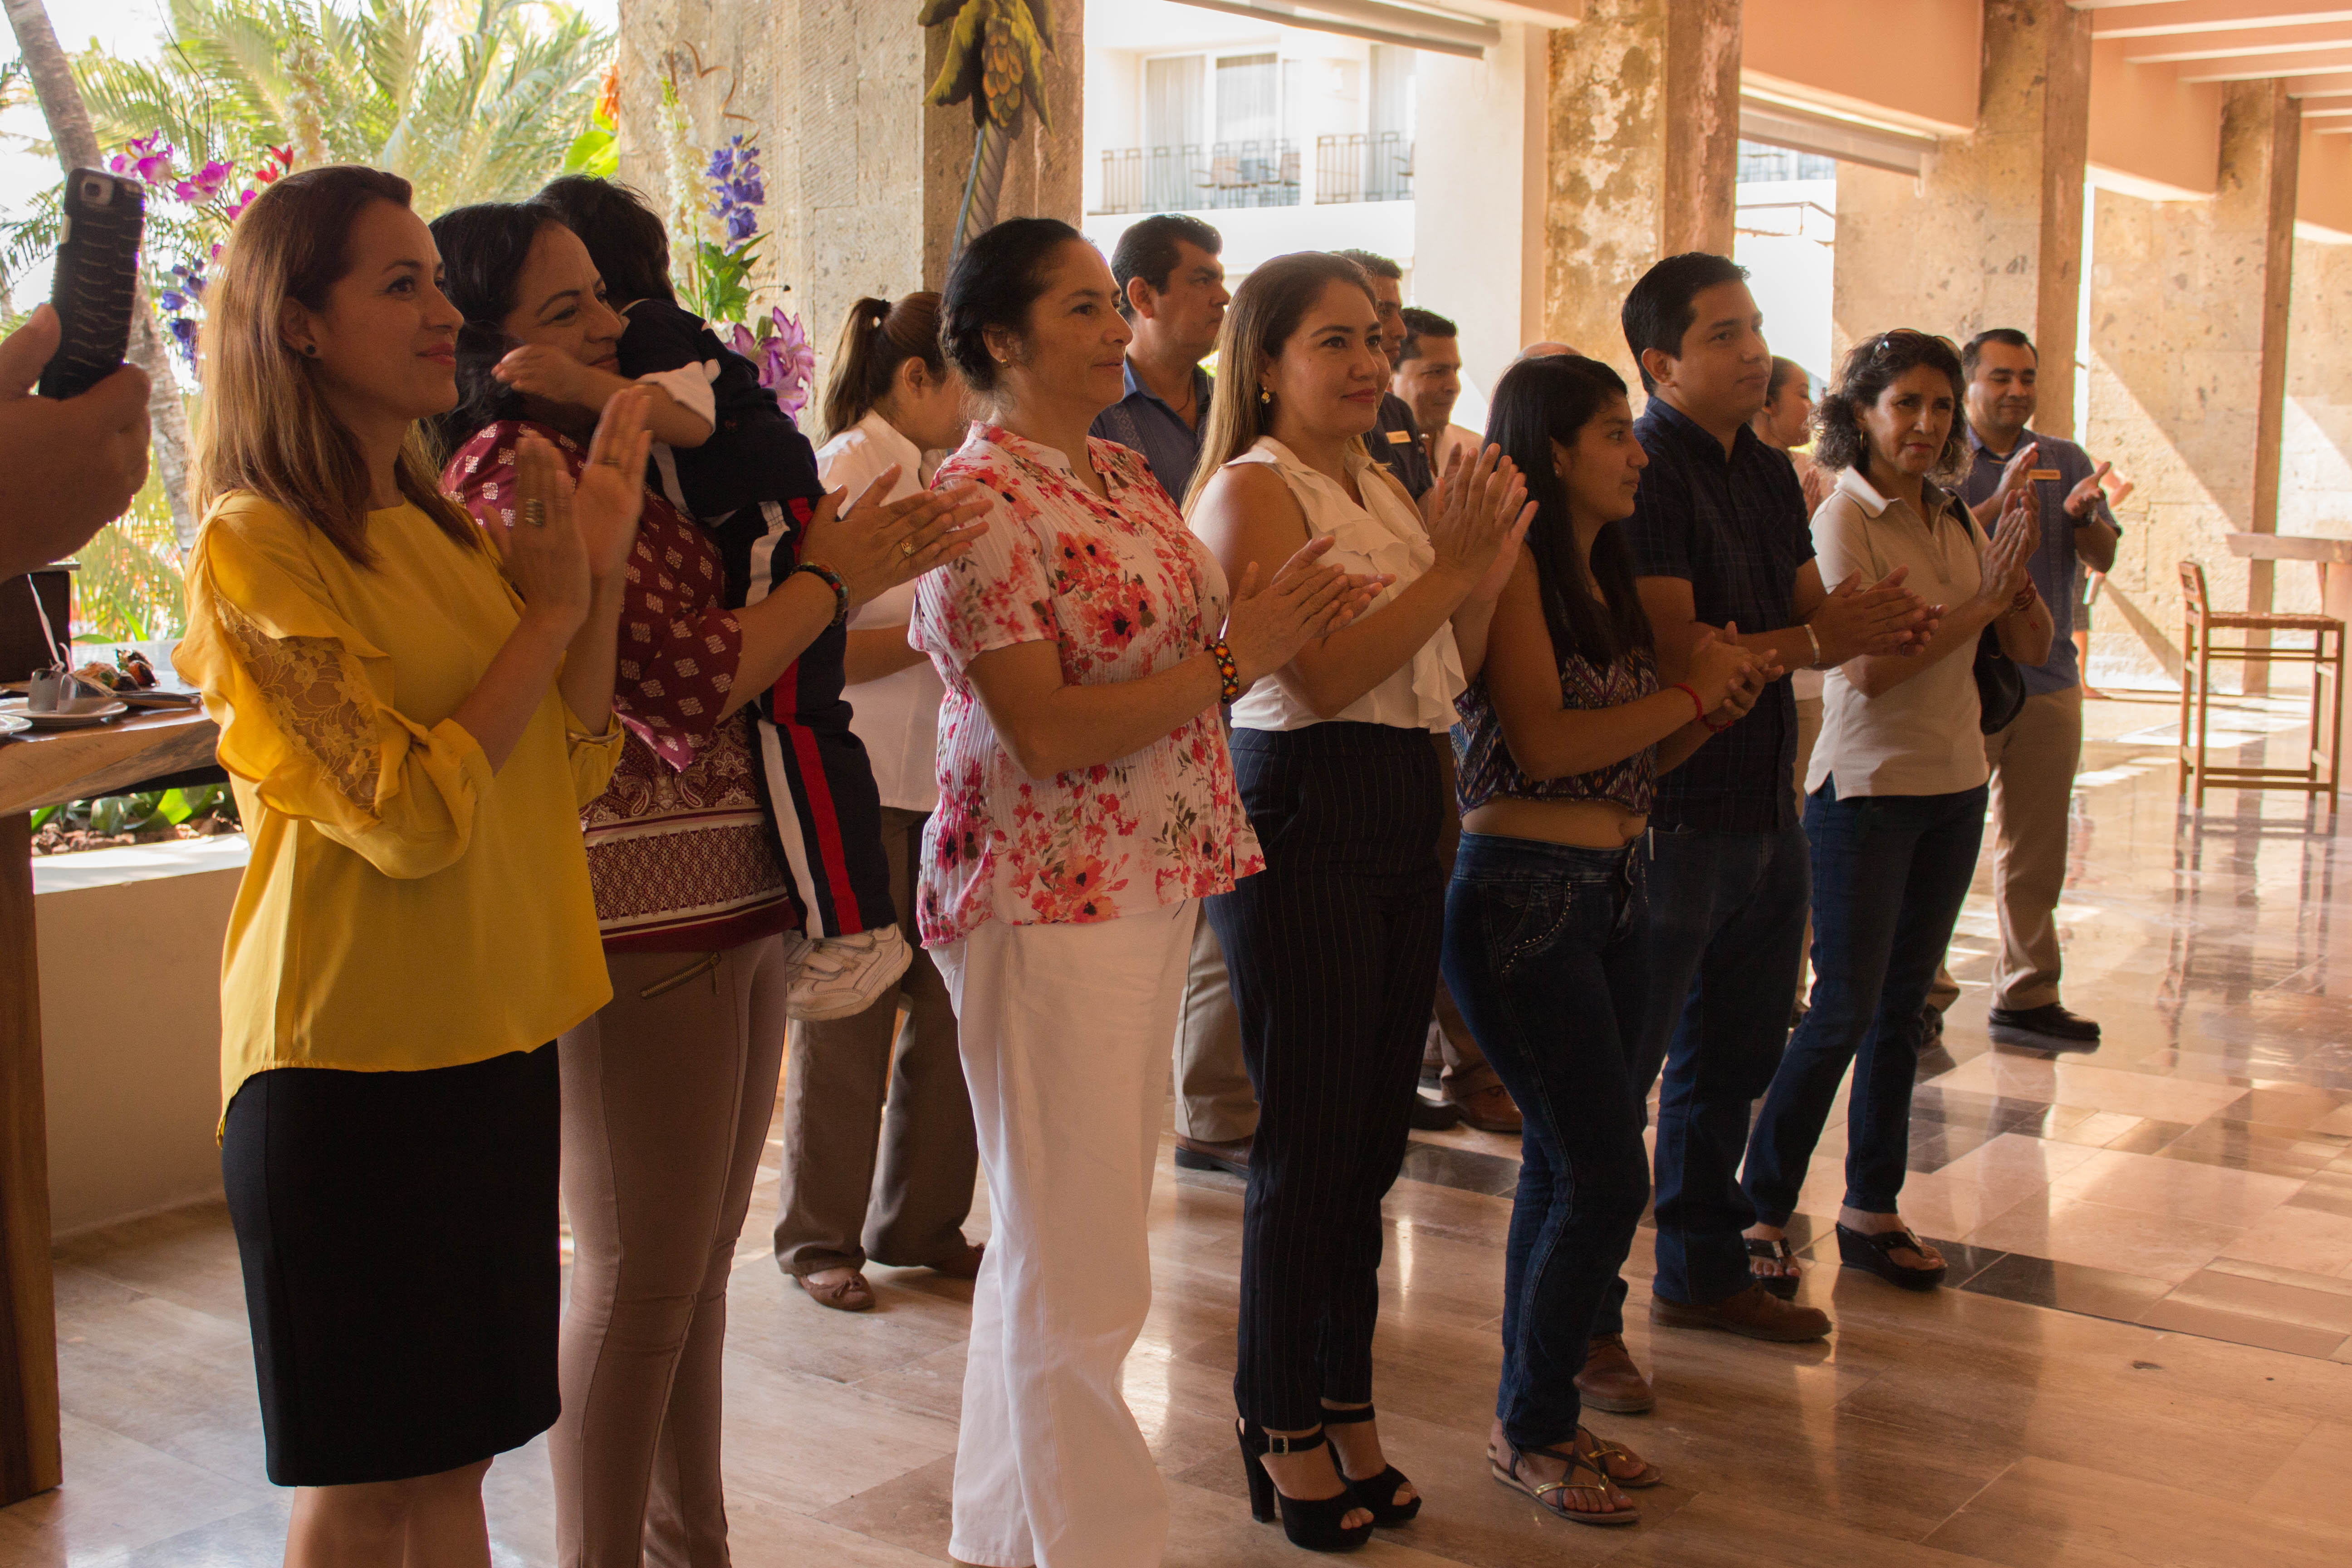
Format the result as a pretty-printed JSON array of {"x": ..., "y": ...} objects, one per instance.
[
  {"x": 2047, "y": 1028},
  {"x": 1432, "y": 1115},
  {"x": 1200, "y": 1154}
]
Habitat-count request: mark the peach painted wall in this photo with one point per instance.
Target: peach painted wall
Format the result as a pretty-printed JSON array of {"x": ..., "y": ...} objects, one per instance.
[
  {"x": 1909, "y": 61},
  {"x": 2147, "y": 123},
  {"x": 2323, "y": 195}
]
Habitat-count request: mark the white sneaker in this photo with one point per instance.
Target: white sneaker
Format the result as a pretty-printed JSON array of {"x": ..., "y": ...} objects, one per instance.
[{"x": 841, "y": 977}]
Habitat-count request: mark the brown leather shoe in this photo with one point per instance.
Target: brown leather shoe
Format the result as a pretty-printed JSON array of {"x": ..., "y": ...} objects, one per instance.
[
  {"x": 1611, "y": 1381},
  {"x": 1199, "y": 1154},
  {"x": 964, "y": 1264},
  {"x": 850, "y": 1295},
  {"x": 1490, "y": 1109},
  {"x": 1755, "y": 1312}
]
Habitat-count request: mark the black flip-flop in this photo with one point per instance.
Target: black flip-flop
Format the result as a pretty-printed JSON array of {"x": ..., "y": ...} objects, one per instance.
[
  {"x": 1874, "y": 1255},
  {"x": 1777, "y": 1250}
]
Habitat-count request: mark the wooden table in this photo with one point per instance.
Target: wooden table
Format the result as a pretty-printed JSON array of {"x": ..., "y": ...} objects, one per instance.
[{"x": 35, "y": 772}]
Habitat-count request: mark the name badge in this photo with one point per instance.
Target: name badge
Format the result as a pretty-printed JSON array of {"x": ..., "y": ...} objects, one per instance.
[
  {"x": 2044, "y": 474},
  {"x": 1400, "y": 438}
]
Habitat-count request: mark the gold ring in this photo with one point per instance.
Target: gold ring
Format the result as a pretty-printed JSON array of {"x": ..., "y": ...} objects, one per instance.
[
  {"x": 907, "y": 547},
  {"x": 534, "y": 512},
  {"x": 609, "y": 461}
]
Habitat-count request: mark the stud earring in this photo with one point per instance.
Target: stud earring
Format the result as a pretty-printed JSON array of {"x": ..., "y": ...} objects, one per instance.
[{"x": 310, "y": 349}]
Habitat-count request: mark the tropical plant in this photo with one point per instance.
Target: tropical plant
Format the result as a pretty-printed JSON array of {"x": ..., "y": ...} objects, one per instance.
[
  {"x": 141, "y": 812},
  {"x": 996, "y": 61},
  {"x": 471, "y": 103}
]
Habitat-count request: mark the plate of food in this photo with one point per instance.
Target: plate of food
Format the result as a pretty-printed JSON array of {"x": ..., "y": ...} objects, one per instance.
[{"x": 71, "y": 714}]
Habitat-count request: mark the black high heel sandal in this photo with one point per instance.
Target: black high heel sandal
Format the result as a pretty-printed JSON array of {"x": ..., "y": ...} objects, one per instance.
[
  {"x": 1379, "y": 1493},
  {"x": 1874, "y": 1255},
  {"x": 1311, "y": 1524}
]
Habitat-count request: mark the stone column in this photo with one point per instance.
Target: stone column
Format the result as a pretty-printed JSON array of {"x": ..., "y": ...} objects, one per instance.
[
  {"x": 1990, "y": 232},
  {"x": 864, "y": 182},
  {"x": 2189, "y": 365},
  {"x": 1643, "y": 122}
]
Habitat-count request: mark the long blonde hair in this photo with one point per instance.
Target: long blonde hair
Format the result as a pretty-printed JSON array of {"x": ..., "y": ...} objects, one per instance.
[
  {"x": 1266, "y": 309},
  {"x": 264, "y": 426}
]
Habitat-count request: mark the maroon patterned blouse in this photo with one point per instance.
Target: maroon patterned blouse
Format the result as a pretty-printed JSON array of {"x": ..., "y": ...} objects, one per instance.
[{"x": 679, "y": 848}]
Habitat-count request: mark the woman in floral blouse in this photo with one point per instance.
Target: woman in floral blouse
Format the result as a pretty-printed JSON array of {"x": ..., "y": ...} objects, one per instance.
[
  {"x": 1086, "y": 801},
  {"x": 668, "y": 1088}
]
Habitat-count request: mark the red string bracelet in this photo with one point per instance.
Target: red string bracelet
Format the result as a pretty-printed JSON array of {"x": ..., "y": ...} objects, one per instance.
[{"x": 1697, "y": 703}]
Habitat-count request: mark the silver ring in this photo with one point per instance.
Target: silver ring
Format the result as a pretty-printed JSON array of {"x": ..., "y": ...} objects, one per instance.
[{"x": 534, "y": 512}]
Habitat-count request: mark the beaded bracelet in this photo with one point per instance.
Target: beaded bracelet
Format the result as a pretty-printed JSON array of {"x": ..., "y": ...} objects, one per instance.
[
  {"x": 1715, "y": 729},
  {"x": 1698, "y": 702},
  {"x": 832, "y": 580},
  {"x": 1228, "y": 671}
]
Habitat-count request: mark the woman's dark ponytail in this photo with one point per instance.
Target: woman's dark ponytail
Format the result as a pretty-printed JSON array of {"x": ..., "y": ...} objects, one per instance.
[{"x": 876, "y": 338}]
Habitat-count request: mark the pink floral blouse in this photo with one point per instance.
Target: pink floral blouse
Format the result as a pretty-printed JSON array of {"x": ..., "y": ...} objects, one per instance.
[{"x": 1123, "y": 589}]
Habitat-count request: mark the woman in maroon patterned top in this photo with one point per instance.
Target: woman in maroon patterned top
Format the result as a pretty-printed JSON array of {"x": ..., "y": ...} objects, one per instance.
[{"x": 667, "y": 1092}]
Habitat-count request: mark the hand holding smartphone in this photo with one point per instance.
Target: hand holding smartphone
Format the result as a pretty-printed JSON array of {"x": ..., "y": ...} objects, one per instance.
[
  {"x": 96, "y": 281},
  {"x": 71, "y": 459}
]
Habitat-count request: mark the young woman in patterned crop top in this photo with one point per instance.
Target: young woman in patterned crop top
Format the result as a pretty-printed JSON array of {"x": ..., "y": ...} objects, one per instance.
[{"x": 1562, "y": 735}]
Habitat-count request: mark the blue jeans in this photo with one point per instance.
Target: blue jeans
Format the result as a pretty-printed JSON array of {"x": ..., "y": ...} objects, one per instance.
[
  {"x": 1890, "y": 873},
  {"x": 1545, "y": 950},
  {"x": 1727, "y": 929}
]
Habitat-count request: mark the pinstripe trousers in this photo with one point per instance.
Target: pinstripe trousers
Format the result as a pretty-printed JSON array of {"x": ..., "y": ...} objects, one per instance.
[{"x": 1333, "y": 951}]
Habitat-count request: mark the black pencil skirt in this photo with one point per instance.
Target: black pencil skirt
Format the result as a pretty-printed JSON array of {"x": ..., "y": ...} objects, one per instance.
[{"x": 398, "y": 1236}]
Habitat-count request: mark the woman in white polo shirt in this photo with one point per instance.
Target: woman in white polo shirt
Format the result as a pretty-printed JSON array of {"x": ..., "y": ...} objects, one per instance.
[
  {"x": 1895, "y": 799},
  {"x": 891, "y": 399}
]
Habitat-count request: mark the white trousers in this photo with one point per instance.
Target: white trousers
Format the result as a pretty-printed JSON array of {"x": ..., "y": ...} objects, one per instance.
[{"x": 1064, "y": 1031}]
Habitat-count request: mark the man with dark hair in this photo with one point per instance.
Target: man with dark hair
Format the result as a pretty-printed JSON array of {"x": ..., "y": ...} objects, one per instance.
[
  {"x": 1428, "y": 377},
  {"x": 2034, "y": 758},
  {"x": 1172, "y": 290},
  {"x": 1721, "y": 543},
  {"x": 1396, "y": 439}
]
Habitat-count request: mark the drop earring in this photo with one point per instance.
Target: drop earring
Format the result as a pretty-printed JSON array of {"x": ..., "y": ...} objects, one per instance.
[{"x": 1265, "y": 399}]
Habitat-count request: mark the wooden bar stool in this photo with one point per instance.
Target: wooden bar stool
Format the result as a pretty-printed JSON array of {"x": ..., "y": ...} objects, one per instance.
[{"x": 2324, "y": 751}]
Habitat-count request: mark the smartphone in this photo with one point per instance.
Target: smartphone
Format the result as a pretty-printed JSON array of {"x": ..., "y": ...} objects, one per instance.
[{"x": 96, "y": 279}]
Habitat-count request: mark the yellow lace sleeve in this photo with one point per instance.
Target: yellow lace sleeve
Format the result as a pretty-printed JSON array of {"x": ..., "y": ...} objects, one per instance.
[
  {"x": 593, "y": 757},
  {"x": 306, "y": 708}
]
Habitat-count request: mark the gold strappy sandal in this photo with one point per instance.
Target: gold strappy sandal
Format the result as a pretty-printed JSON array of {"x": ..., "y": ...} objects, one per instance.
[
  {"x": 1603, "y": 1453},
  {"x": 1551, "y": 1494}
]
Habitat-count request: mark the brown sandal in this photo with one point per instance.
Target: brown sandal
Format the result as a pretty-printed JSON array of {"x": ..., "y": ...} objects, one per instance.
[
  {"x": 1604, "y": 1454},
  {"x": 1549, "y": 1494}
]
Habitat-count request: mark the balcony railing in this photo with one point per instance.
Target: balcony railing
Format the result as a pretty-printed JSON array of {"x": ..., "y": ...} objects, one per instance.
[
  {"x": 1363, "y": 168},
  {"x": 1194, "y": 178}
]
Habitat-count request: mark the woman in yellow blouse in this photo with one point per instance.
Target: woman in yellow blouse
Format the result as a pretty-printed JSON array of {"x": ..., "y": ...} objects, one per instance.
[{"x": 410, "y": 732}]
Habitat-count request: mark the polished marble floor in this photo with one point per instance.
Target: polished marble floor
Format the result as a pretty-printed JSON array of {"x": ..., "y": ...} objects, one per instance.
[{"x": 2147, "y": 1359}]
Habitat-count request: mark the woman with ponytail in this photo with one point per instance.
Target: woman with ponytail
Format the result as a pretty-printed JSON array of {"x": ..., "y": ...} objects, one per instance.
[{"x": 891, "y": 399}]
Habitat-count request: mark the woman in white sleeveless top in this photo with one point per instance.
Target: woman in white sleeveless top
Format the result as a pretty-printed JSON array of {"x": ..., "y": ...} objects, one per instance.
[{"x": 1333, "y": 948}]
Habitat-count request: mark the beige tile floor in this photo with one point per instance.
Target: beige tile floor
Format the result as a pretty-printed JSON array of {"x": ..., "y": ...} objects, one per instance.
[{"x": 2147, "y": 1360}]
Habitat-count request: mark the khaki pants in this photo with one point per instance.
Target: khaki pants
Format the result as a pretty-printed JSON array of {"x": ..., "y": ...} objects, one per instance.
[
  {"x": 666, "y": 1099},
  {"x": 1809, "y": 730},
  {"x": 2033, "y": 763},
  {"x": 1215, "y": 1102},
  {"x": 832, "y": 1212}
]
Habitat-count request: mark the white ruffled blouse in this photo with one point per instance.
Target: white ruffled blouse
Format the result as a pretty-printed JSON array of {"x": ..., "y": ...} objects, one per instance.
[{"x": 1383, "y": 535}]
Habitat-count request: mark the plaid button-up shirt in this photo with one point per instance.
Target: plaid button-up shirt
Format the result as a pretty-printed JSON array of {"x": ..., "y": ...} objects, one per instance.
[{"x": 1733, "y": 529}]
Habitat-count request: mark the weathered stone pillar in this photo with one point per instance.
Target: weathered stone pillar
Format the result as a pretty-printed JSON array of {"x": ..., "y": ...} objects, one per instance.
[
  {"x": 2189, "y": 365},
  {"x": 1990, "y": 232},
  {"x": 1645, "y": 150},
  {"x": 864, "y": 182}
]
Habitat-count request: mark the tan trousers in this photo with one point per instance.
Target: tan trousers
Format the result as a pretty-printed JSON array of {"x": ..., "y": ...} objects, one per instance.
[
  {"x": 2033, "y": 763},
  {"x": 1452, "y": 1053},
  {"x": 666, "y": 1100},
  {"x": 1809, "y": 730},
  {"x": 1215, "y": 1102},
  {"x": 845, "y": 1090}
]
